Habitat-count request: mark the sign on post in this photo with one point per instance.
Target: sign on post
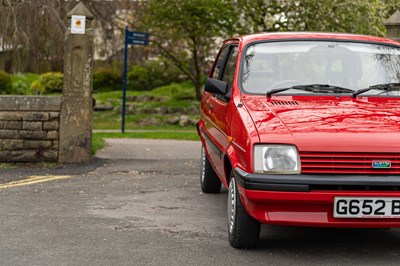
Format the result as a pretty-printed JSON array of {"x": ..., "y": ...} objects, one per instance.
[
  {"x": 138, "y": 38},
  {"x": 78, "y": 24},
  {"x": 134, "y": 38}
]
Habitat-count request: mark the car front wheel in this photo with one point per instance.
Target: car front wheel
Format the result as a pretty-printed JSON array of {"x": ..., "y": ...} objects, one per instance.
[
  {"x": 244, "y": 230},
  {"x": 209, "y": 180}
]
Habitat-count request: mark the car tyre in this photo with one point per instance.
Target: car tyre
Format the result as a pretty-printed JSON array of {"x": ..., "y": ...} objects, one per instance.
[
  {"x": 244, "y": 230},
  {"x": 209, "y": 180}
]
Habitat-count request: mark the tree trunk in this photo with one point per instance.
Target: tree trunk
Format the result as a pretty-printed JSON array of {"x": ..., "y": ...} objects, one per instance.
[{"x": 198, "y": 86}]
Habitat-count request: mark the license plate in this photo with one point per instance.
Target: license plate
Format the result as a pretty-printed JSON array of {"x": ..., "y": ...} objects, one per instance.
[{"x": 345, "y": 207}]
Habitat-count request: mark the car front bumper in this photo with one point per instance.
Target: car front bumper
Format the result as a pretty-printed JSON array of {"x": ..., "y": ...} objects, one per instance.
[{"x": 307, "y": 200}]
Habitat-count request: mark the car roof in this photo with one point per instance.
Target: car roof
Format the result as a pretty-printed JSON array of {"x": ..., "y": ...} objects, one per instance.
[{"x": 271, "y": 36}]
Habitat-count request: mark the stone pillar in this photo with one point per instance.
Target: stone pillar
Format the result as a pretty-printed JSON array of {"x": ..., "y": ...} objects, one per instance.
[
  {"x": 393, "y": 26},
  {"x": 76, "y": 106}
]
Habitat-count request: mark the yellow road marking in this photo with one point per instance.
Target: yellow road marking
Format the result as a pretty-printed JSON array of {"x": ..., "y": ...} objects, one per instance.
[{"x": 33, "y": 180}]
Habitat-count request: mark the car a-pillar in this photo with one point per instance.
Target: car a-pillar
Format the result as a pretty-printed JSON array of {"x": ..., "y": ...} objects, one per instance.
[{"x": 76, "y": 106}]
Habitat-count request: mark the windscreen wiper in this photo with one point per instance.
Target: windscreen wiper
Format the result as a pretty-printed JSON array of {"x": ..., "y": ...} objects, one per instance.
[
  {"x": 317, "y": 88},
  {"x": 385, "y": 87}
]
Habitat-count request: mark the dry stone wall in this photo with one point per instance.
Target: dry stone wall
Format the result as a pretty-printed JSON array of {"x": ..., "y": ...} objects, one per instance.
[{"x": 29, "y": 128}]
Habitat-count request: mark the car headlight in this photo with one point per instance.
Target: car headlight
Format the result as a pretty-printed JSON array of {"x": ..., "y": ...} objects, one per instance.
[{"x": 276, "y": 159}]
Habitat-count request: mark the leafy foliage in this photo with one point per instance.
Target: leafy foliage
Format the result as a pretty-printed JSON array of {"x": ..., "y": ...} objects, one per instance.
[
  {"x": 176, "y": 92},
  {"x": 107, "y": 79},
  {"x": 186, "y": 31},
  {"x": 151, "y": 75},
  {"x": 5, "y": 83},
  {"x": 161, "y": 106},
  {"x": 22, "y": 83},
  {"x": 98, "y": 143},
  {"x": 51, "y": 82},
  {"x": 352, "y": 16},
  {"x": 32, "y": 32},
  {"x": 175, "y": 95}
]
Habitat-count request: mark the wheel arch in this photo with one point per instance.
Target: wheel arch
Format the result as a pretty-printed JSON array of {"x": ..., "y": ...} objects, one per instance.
[
  {"x": 231, "y": 160},
  {"x": 228, "y": 169}
]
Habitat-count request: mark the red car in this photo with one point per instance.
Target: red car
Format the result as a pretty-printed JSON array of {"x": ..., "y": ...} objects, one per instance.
[{"x": 303, "y": 129}]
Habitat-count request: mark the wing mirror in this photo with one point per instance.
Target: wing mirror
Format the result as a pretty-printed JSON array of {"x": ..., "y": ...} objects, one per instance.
[{"x": 216, "y": 86}]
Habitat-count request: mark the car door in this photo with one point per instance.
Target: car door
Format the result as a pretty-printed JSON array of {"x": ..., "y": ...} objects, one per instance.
[{"x": 217, "y": 108}]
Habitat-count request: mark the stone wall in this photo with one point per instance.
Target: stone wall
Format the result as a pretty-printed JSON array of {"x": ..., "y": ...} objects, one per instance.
[
  {"x": 55, "y": 129},
  {"x": 29, "y": 128}
]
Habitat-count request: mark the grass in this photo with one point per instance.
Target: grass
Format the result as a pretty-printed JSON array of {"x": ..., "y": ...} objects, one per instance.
[
  {"x": 112, "y": 120},
  {"x": 8, "y": 166},
  {"x": 178, "y": 135},
  {"x": 98, "y": 143},
  {"x": 143, "y": 105},
  {"x": 175, "y": 96}
]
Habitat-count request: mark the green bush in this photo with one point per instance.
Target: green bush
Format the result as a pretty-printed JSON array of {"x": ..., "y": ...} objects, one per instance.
[
  {"x": 152, "y": 74},
  {"x": 106, "y": 79},
  {"x": 5, "y": 83},
  {"x": 139, "y": 79},
  {"x": 176, "y": 91},
  {"x": 21, "y": 83},
  {"x": 51, "y": 82},
  {"x": 21, "y": 88},
  {"x": 37, "y": 88}
]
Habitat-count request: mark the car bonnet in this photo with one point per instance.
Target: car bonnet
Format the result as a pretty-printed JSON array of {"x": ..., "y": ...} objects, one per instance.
[{"x": 331, "y": 123}]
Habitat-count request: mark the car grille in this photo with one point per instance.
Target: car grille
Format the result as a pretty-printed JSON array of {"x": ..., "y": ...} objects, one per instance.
[{"x": 348, "y": 163}]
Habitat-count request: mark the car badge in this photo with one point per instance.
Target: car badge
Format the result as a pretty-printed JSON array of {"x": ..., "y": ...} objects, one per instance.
[{"x": 381, "y": 164}]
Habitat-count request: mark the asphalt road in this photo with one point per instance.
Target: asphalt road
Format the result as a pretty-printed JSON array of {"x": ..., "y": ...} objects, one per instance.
[{"x": 139, "y": 203}]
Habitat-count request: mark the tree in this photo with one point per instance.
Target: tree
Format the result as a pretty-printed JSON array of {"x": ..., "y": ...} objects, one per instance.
[
  {"x": 28, "y": 34},
  {"x": 351, "y": 16},
  {"x": 32, "y": 32},
  {"x": 186, "y": 32}
]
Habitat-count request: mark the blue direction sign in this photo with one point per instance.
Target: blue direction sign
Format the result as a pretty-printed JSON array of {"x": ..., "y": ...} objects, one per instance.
[{"x": 135, "y": 38}]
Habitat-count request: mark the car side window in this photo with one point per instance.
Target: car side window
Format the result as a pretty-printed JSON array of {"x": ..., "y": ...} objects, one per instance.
[
  {"x": 219, "y": 65},
  {"x": 229, "y": 71}
]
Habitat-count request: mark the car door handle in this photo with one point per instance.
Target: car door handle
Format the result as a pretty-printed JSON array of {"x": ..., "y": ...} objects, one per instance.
[{"x": 211, "y": 107}]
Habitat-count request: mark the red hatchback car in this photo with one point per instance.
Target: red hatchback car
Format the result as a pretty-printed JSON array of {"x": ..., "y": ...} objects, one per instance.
[{"x": 303, "y": 129}]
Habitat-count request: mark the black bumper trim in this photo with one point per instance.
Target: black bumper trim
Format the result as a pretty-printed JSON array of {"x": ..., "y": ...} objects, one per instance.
[
  {"x": 276, "y": 187},
  {"x": 303, "y": 183}
]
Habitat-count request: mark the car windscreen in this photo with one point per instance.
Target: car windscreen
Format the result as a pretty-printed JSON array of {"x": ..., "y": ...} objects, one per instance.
[{"x": 350, "y": 65}]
